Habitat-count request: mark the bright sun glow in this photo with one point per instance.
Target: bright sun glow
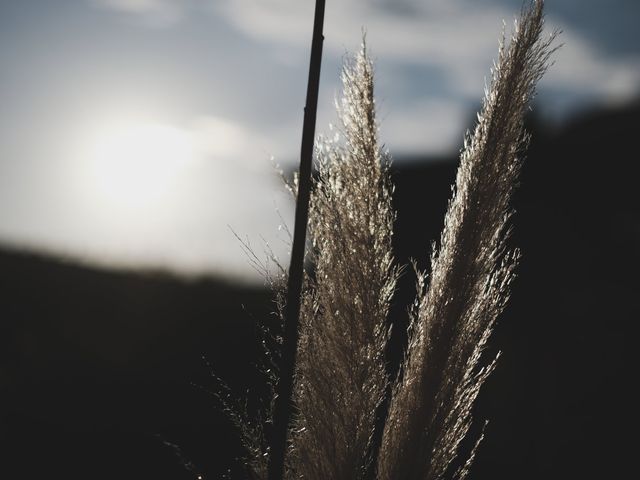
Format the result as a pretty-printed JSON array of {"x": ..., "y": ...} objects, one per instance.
[{"x": 135, "y": 164}]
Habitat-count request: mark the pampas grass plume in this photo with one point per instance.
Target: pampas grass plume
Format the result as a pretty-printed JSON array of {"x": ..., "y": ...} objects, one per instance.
[{"x": 341, "y": 377}]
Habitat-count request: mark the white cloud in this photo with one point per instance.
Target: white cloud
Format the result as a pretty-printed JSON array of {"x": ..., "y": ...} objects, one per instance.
[
  {"x": 581, "y": 68},
  {"x": 222, "y": 138},
  {"x": 235, "y": 189},
  {"x": 231, "y": 184},
  {"x": 133, "y": 6},
  {"x": 444, "y": 32},
  {"x": 458, "y": 37},
  {"x": 157, "y": 13},
  {"x": 428, "y": 125}
]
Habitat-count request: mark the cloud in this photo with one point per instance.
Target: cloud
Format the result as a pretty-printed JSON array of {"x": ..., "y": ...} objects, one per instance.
[
  {"x": 428, "y": 125},
  {"x": 223, "y": 138},
  {"x": 437, "y": 31},
  {"x": 458, "y": 38},
  {"x": 581, "y": 68},
  {"x": 235, "y": 188},
  {"x": 230, "y": 185},
  {"x": 156, "y": 13}
]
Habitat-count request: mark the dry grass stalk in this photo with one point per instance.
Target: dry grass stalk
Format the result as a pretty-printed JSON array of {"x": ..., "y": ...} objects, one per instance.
[
  {"x": 340, "y": 374},
  {"x": 341, "y": 377},
  {"x": 430, "y": 411}
]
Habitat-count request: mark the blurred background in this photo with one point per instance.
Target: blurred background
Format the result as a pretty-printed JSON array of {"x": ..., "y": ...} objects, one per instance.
[
  {"x": 137, "y": 136},
  {"x": 135, "y": 132}
]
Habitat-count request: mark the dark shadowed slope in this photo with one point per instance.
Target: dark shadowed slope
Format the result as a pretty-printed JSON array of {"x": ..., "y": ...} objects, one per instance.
[{"x": 94, "y": 364}]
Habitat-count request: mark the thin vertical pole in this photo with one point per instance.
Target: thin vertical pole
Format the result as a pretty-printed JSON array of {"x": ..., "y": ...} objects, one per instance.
[{"x": 283, "y": 402}]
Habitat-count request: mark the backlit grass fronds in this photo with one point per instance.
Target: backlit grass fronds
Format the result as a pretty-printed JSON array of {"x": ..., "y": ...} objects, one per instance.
[
  {"x": 340, "y": 375},
  {"x": 430, "y": 411},
  {"x": 253, "y": 425}
]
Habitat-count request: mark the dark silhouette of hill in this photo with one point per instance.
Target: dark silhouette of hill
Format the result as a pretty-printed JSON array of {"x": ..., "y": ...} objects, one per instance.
[{"x": 94, "y": 364}]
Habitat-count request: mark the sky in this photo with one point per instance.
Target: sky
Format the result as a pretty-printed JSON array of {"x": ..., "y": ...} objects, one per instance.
[{"x": 146, "y": 133}]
